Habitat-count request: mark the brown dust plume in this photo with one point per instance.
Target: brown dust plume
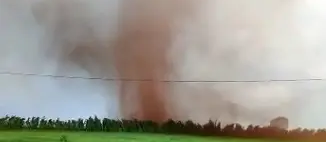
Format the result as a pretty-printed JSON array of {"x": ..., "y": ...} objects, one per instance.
[{"x": 144, "y": 39}]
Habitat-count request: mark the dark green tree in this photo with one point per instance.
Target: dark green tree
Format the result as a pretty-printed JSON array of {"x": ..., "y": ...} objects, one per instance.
[
  {"x": 81, "y": 124},
  {"x": 90, "y": 124},
  {"x": 97, "y": 124},
  {"x": 43, "y": 124}
]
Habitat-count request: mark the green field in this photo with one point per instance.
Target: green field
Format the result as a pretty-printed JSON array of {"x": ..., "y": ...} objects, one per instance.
[{"x": 108, "y": 137}]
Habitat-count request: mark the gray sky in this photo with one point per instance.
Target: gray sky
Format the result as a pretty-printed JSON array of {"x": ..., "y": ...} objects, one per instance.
[{"x": 233, "y": 40}]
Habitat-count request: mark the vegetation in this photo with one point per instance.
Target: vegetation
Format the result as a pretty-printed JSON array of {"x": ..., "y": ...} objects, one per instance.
[
  {"x": 94, "y": 124},
  {"x": 48, "y": 136}
]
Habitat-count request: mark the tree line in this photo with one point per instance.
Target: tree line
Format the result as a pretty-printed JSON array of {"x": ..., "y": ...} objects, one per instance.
[{"x": 94, "y": 124}]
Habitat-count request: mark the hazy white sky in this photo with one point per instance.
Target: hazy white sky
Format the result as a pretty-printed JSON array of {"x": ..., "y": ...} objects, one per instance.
[
  {"x": 30, "y": 96},
  {"x": 233, "y": 40}
]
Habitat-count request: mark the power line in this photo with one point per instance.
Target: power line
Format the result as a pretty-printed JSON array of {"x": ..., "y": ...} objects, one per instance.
[{"x": 166, "y": 81}]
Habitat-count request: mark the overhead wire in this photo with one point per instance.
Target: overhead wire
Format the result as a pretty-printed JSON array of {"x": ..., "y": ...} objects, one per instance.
[{"x": 166, "y": 81}]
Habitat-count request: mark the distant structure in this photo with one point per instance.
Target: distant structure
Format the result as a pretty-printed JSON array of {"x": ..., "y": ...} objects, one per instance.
[{"x": 280, "y": 122}]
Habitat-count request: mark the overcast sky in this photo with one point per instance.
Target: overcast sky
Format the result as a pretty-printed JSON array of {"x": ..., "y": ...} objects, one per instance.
[{"x": 233, "y": 40}]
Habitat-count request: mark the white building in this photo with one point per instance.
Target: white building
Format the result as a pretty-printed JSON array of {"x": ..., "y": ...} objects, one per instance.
[{"x": 280, "y": 122}]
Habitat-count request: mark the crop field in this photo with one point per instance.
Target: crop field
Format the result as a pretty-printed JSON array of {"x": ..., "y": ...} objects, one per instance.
[{"x": 39, "y": 136}]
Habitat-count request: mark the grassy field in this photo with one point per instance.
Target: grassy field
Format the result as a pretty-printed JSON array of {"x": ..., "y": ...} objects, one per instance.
[{"x": 107, "y": 137}]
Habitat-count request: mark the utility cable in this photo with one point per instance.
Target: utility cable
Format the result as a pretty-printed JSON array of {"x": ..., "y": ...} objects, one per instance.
[{"x": 166, "y": 81}]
